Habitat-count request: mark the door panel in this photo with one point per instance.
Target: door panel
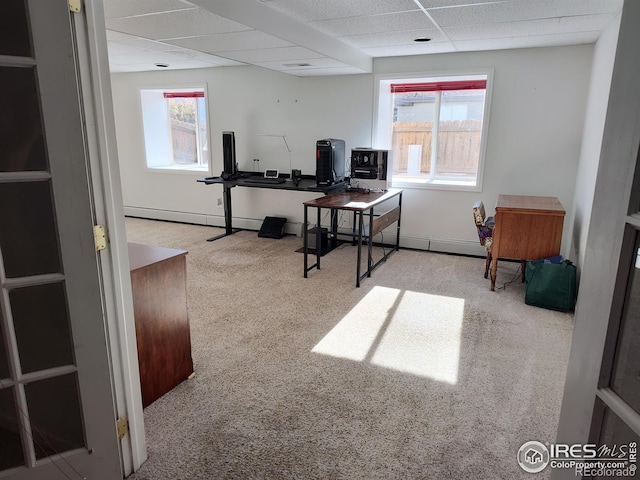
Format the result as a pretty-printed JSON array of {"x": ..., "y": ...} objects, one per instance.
[
  {"x": 29, "y": 238},
  {"x": 625, "y": 379},
  {"x": 55, "y": 410},
  {"x": 614, "y": 431},
  {"x": 14, "y": 30},
  {"x": 21, "y": 140},
  {"x": 41, "y": 324},
  {"x": 12, "y": 454},
  {"x": 57, "y": 417}
]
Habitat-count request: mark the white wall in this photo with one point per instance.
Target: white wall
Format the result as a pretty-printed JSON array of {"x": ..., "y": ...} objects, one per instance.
[
  {"x": 536, "y": 121},
  {"x": 597, "y": 102}
]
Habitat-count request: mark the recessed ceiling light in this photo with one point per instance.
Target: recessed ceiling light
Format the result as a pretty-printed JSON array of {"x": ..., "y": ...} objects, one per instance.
[
  {"x": 422, "y": 39},
  {"x": 162, "y": 65}
]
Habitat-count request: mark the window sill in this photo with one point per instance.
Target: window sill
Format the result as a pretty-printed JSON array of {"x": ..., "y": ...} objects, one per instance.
[
  {"x": 436, "y": 184},
  {"x": 199, "y": 169}
]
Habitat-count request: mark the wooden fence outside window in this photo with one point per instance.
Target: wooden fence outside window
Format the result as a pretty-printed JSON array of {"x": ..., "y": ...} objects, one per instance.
[
  {"x": 184, "y": 142},
  {"x": 458, "y": 147}
]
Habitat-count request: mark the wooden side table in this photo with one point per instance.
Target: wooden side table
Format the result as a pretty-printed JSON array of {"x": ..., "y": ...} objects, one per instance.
[
  {"x": 159, "y": 285},
  {"x": 527, "y": 228}
]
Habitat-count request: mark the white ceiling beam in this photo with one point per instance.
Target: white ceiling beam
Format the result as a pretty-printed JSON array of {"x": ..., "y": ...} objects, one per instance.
[{"x": 255, "y": 14}]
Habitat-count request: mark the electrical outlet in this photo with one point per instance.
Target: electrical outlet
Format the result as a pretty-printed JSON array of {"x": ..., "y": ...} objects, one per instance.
[{"x": 220, "y": 202}]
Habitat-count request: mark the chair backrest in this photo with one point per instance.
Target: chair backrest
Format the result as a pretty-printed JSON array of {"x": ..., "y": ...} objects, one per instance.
[
  {"x": 485, "y": 232},
  {"x": 478, "y": 213}
]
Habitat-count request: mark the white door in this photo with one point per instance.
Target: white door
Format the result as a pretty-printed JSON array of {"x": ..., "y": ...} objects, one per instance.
[
  {"x": 601, "y": 403},
  {"x": 57, "y": 417}
]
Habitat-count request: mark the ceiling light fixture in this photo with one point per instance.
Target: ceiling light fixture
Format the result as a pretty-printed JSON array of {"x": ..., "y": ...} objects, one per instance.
[
  {"x": 161, "y": 65},
  {"x": 296, "y": 65},
  {"x": 422, "y": 39}
]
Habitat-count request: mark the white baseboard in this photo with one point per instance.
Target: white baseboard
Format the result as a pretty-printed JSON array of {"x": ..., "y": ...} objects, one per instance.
[
  {"x": 445, "y": 245},
  {"x": 460, "y": 247},
  {"x": 417, "y": 243},
  {"x": 292, "y": 228},
  {"x": 155, "y": 214}
]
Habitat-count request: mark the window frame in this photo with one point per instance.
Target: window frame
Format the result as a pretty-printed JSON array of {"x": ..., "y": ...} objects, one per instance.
[
  {"x": 166, "y": 167},
  {"x": 383, "y": 123}
]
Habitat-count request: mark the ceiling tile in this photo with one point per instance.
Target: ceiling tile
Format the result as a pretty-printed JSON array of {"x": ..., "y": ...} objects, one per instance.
[
  {"x": 185, "y": 23},
  {"x": 231, "y": 41},
  {"x": 153, "y": 45},
  {"x": 518, "y": 10},
  {"x": 141, "y": 57},
  {"x": 311, "y": 10},
  {"x": 454, "y": 3},
  {"x": 124, "y": 39},
  {"x": 116, "y": 48},
  {"x": 316, "y": 72},
  {"x": 590, "y": 23},
  {"x": 148, "y": 60},
  {"x": 186, "y": 54},
  {"x": 393, "y": 38},
  {"x": 127, "y": 8},
  {"x": 388, "y": 22},
  {"x": 120, "y": 37},
  {"x": 270, "y": 54},
  {"x": 288, "y": 65},
  {"x": 176, "y": 57},
  {"x": 143, "y": 67},
  {"x": 415, "y": 49}
]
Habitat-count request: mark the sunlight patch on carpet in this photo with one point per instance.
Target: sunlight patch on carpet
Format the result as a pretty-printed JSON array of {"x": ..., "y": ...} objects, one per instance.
[{"x": 411, "y": 332}]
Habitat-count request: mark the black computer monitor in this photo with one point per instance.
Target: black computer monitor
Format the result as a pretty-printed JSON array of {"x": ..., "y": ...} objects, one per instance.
[{"x": 229, "y": 166}]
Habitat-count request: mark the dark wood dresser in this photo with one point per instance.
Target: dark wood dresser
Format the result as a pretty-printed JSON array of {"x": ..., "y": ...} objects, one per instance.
[{"x": 159, "y": 285}]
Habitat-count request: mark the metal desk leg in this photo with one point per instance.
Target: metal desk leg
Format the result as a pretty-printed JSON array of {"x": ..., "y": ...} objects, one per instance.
[
  {"x": 334, "y": 228},
  {"x": 305, "y": 241},
  {"x": 318, "y": 239},
  {"x": 228, "y": 217},
  {"x": 360, "y": 228},
  {"x": 353, "y": 230},
  {"x": 398, "y": 224},
  {"x": 370, "y": 243}
]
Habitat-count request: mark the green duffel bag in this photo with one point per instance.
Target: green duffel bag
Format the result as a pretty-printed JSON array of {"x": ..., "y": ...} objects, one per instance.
[{"x": 550, "y": 285}]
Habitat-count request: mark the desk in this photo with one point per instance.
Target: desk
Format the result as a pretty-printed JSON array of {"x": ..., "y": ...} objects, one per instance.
[
  {"x": 359, "y": 203},
  {"x": 527, "y": 228},
  {"x": 159, "y": 287},
  {"x": 306, "y": 184}
]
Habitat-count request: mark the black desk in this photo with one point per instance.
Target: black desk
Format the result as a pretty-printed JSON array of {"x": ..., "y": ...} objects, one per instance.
[
  {"x": 306, "y": 184},
  {"x": 358, "y": 203}
]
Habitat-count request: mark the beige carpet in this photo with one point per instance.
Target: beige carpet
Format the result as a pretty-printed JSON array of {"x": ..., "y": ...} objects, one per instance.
[{"x": 422, "y": 373}]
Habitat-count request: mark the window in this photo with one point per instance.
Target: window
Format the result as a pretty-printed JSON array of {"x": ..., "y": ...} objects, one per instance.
[
  {"x": 175, "y": 129},
  {"x": 436, "y": 127}
]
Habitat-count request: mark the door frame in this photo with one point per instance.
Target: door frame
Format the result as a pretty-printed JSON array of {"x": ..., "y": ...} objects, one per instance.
[{"x": 93, "y": 66}]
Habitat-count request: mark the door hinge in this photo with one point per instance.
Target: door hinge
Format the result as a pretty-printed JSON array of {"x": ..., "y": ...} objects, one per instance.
[
  {"x": 100, "y": 237},
  {"x": 75, "y": 6},
  {"x": 122, "y": 426}
]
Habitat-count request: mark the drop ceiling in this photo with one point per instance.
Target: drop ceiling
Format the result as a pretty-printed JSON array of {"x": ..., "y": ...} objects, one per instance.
[{"x": 335, "y": 37}]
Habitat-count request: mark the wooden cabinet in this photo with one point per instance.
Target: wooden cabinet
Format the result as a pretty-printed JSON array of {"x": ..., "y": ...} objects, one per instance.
[
  {"x": 159, "y": 285},
  {"x": 527, "y": 228}
]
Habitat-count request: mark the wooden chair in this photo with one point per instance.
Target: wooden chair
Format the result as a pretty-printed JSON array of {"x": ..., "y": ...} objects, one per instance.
[{"x": 485, "y": 228}]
